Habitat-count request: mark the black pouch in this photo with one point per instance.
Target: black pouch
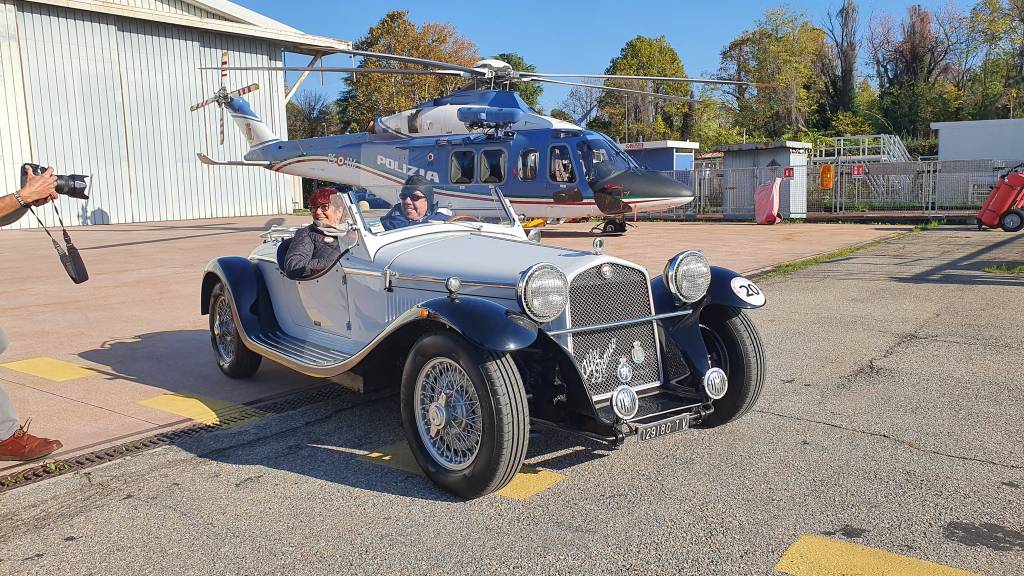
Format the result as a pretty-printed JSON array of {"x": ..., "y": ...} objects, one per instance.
[{"x": 69, "y": 258}]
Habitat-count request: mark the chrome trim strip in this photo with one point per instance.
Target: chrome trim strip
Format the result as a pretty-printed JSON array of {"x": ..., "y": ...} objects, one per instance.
[
  {"x": 436, "y": 280},
  {"x": 639, "y": 388},
  {"x": 361, "y": 272},
  {"x": 619, "y": 323}
]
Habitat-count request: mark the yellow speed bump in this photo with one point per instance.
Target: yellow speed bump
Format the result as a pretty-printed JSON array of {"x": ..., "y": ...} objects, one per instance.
[
  {"x": 527, "y": 483},
  {"x": 50, "y": 368},
  {"x": 813, "y": 555},
  {"x": 205, "y": 410}
]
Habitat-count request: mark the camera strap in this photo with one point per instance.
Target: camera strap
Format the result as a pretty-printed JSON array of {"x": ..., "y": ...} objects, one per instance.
[{"x": 69, "y": 258}]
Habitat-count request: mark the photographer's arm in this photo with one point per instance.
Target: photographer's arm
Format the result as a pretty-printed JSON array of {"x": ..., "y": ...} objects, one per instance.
[{"x": 38, "y": 190}]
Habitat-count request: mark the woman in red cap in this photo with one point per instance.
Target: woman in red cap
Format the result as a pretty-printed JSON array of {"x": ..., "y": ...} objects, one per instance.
[{"x": 312, "y": 251}]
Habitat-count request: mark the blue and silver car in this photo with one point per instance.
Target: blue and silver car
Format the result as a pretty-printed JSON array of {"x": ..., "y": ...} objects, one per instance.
[{"x": 488, "y": 333}]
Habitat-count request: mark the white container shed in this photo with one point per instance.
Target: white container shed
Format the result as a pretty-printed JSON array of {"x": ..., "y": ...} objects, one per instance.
[{"x": 981, "y": 139}]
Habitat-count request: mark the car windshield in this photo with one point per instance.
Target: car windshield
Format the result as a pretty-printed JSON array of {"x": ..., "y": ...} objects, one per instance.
[
  {"x": 600, "y": 159},
  {"x": 383, "y": 209}
]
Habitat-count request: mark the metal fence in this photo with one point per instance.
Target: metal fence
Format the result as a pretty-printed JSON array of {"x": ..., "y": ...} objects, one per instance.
[{"x": 926, "y": 188}]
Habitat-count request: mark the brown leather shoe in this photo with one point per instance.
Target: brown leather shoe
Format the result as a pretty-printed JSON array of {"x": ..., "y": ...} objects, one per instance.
[{"x": 24, "y": 446}]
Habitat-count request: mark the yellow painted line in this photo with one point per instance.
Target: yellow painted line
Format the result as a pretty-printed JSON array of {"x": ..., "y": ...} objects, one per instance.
[
  {"x": 527, "y": 483},
  {"x": 813, "y": 555},
  {"x": 50, "y": 368},
  {"x": 205, "y": 410}
]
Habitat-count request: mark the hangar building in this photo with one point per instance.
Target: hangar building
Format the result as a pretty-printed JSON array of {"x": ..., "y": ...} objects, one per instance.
[{"x": 103, "y": 87}]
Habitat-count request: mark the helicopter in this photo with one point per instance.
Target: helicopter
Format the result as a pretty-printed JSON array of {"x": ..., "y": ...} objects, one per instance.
[{"x": 478, "y": 137}]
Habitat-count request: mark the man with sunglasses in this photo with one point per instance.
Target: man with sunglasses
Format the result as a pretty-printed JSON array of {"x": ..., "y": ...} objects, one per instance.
[
  {"x": 311, "y": 251},
  {"x": 15, "y": 441},
  {"x": 415, "y": 206}
]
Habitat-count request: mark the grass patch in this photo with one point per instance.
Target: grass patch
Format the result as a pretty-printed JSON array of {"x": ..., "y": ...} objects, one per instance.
[
  {"x": 796, "y": 266},
  {"x": 930, "y": 225},
  {"x": 300, "y": 212},
  {"x": 1012, "y": 269}
]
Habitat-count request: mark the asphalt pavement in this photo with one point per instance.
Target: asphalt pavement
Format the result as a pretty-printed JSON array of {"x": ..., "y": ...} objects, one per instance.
[{"x": 891, "y": 420}]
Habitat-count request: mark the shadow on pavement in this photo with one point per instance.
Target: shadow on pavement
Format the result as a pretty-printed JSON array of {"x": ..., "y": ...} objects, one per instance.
[
  {"x": 330, "y": 440},
  {"x": 968, "y": 269}
]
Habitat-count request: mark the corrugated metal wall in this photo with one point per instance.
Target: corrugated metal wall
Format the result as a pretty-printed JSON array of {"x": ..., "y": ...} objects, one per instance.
[{"x": 109, "y": 96}]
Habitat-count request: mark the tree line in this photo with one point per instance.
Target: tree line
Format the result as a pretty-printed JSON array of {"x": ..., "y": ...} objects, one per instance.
[{"x": 842, "y": 75}]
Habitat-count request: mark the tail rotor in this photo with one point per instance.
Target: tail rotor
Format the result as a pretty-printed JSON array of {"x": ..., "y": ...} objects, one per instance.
[{"x": 222, "y": 96}]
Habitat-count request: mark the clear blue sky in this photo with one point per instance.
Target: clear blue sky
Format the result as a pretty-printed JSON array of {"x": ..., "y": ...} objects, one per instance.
[{"x": 563, "y": 36}]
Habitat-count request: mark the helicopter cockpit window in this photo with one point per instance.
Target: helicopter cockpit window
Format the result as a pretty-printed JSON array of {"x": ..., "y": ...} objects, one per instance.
[
  {"x": 528, "y": 161},
  {"x": 461, "y": 171},
  {"x": 599, "y": 160},
  {"x": 492, "y": 166},
  {"x": 560, "y": 165}
]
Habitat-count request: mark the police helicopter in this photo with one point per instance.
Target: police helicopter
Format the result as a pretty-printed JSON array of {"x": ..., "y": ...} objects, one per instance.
[{"x": 467, "y": 142}]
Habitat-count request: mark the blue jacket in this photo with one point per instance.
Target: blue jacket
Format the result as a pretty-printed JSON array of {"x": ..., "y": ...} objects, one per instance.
[{"x": 395, "y": 218}]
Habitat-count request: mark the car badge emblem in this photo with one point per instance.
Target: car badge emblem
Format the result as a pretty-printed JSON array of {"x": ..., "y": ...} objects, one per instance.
[
  {"x": 638, "y": 353},
  {"x": 607, "y": 272},
  {"x": 594, "y": 363},
  {"x": 625, "y": 371}
]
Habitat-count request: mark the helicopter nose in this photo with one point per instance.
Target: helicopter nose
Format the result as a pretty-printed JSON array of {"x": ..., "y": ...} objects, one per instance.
[{"x": 639, "y": 184}]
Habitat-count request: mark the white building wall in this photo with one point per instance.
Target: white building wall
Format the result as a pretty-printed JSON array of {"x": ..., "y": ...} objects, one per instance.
[
  {"x": 981, "y": 139},
  {"x": 109, "y": 96}
]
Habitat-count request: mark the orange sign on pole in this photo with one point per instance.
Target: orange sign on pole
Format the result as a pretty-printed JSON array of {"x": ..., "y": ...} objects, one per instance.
[{"x": 826, "y": 175}]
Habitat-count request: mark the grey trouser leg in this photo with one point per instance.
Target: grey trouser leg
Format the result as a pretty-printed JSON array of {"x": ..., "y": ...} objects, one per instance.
[{"x": 8, "y": 421}]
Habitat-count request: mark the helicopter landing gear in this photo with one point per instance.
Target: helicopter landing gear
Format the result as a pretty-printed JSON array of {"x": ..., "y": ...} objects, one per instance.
[{"x": 611, "y": 226}]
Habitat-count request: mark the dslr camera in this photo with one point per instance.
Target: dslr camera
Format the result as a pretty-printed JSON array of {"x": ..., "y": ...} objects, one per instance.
[{"x": 72, "y": 185}]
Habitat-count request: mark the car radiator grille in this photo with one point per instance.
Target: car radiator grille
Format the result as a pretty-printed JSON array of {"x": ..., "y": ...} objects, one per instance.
[{"x": 598, "y": 353}]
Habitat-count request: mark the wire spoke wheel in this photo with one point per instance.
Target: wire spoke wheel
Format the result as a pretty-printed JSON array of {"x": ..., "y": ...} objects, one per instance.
[
  {"x": 448, "y": 416},
  {"x": 224, "y": 330}
]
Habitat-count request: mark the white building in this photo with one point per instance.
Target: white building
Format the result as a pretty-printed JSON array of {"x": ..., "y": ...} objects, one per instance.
[
  {"x": 981, "y": 139},
  {"x": 103, "y": 87}
]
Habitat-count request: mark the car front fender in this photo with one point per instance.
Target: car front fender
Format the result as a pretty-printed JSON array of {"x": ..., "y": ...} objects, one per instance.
[
  {"x": 727, "y": 288},
  {"x": 484, "y": 323},
  {"x": 242, "y": 282}
]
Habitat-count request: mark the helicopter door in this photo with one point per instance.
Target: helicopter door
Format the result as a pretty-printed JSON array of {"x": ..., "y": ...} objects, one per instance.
[{"x": 562, "y": 171}]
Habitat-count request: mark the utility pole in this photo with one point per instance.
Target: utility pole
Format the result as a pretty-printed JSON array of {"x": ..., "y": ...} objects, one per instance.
[{"x": 626, "y": 109}]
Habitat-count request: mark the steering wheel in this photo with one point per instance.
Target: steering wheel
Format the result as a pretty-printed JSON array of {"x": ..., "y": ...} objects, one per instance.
[{"x": 464, "y": 218}]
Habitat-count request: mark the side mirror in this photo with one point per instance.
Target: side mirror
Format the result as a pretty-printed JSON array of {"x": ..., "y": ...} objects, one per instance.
[{"x": 533, "y": 235}]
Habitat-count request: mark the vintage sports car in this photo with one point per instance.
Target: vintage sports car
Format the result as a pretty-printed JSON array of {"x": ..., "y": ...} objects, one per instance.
[{"x": 487, "y": 333}]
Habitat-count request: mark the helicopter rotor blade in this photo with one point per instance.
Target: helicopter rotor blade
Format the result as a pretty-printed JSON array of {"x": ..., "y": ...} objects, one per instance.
[
  {"x": 350, "y": 70},
  {"x": 413, "y": 60},
  {"x": 615, "y": 89},
  {"x": 206, "y": 102},
  {"x": 245, "y": 90},
  {"x": 532, "y": 75},
  {"x": 221, "y": 125},
  {"x": 223, "y": 68}
]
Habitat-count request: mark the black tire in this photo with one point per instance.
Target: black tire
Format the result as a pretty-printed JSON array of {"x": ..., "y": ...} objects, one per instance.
[
  {"x": 235, "y": 360},
  {"x": 1012, "y": 221},
  {"x": 620, "y": 226},
  {"x": 610, "y": 227},
  {"x": 504, "y": 416},
  {"x": 735, "y": 346}
]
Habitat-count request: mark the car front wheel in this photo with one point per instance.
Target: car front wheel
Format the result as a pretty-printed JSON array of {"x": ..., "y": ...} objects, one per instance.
[
  {"x": 464, "y": 413},
  {"x": 233, "y": 358},
  {"x": 733, "y": 345}
]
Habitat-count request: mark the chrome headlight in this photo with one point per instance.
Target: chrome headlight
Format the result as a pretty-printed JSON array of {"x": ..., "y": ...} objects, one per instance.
[
  {"x": 688, "y": 276},
  {"x": 543, "y": 292}
]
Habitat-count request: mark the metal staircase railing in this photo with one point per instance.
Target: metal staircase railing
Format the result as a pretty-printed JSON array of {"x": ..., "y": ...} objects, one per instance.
[{"x": 863, "y": 148}]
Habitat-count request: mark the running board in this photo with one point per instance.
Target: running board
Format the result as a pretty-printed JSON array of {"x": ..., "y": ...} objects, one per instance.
[
  {"x": 211, "y": 162},
  {"x": 298, "y": 351}
]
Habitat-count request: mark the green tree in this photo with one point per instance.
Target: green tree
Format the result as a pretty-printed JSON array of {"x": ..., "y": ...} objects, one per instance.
[
  {"x": 368, "y": 96},
  {"x": 560, "y": 114},
  {"x": 647, "y": 117},
  {"x": 529, "y": 91},
  {"x": 780, "y": 55},
  {"x": 311, "y": 114}
]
